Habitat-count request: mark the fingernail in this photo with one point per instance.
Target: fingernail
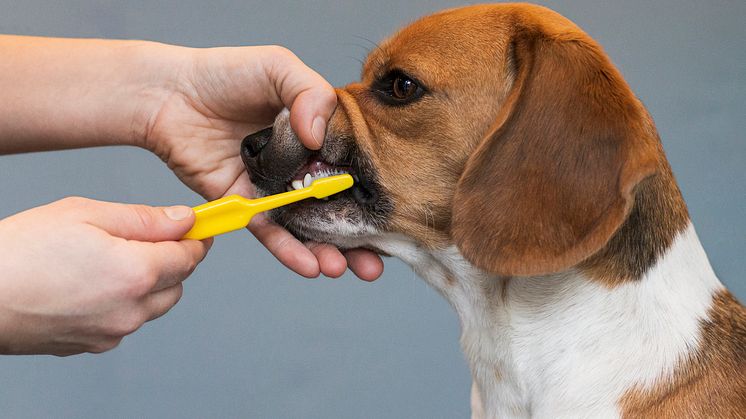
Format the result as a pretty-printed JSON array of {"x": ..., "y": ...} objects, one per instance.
[
  {"x": 318, "y": 130},
  {"x": 177, "y": 212}
]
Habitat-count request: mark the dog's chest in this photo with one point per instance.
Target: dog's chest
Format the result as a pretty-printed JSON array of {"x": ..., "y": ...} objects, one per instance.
[{"x": 564, "y": 345}]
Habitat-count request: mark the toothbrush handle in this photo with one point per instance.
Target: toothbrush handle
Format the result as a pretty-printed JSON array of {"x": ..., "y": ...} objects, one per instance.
[
  {"x": 274, "y": 201},
  {"x": 220, "y": 216}
]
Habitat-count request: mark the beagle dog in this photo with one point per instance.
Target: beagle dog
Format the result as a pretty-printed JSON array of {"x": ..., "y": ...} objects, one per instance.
[{"x": 498, "y": 151}]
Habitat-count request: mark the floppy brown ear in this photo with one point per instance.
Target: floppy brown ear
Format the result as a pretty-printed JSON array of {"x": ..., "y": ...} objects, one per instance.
[{"x": 555, "y": 177}]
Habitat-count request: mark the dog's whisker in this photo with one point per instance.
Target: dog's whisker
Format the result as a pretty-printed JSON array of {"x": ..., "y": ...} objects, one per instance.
[
  {"x": 363, "y": 47},
  {"x": 356, "y": 59},
  {"x": 374, "y": 45}
]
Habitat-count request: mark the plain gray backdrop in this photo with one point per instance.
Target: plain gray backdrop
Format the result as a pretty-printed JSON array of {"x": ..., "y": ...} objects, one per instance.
[{"x": 250, "y": 338}]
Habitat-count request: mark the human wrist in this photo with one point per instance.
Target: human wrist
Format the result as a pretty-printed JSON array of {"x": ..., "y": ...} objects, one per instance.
[{"x": 155, "y": 72}]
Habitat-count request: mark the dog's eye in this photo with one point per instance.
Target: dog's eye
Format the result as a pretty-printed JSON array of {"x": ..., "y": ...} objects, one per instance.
[
  {"x": 397, "y": 88},
  {"x": 403, "y": 88}
]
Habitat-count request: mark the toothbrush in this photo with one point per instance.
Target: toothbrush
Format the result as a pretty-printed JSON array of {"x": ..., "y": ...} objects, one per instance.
[{"x": 235, "y": 212}]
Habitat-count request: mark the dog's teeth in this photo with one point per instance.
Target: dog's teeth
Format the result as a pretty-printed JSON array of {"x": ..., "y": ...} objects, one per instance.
[
  {"x": 288, "y": 188},
  {"x": 308, "y": 178},
  {"x": 325, "y": 198}
]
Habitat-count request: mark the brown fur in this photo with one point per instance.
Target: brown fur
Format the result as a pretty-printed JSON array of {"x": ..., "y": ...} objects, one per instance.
[
  {"x": 563, "y": 161},
  {"x": 712, "y": 382}
]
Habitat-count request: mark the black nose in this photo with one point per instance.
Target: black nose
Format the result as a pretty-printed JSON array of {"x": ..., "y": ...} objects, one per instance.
[{"x": 254, "y": 143}]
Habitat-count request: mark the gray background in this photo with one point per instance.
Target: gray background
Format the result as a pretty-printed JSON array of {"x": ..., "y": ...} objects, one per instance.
[{"x": 251, "y": 339}]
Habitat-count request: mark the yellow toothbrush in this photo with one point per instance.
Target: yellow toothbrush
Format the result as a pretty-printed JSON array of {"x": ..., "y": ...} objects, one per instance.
[{"x": 234, "y": 212}]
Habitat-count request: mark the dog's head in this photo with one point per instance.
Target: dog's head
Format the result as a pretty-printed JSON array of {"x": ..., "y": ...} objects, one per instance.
[{"x": 503, "y": 130}]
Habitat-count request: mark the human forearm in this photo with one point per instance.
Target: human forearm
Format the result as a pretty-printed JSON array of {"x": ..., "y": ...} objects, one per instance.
[{"x": 68, "y": 93}]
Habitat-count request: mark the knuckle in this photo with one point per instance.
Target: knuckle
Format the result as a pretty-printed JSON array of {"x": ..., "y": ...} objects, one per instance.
[
  {"x": 104, "y": 345},
  {"x": 190, "y": 266},
  {"x": 280, "y": 51},
  {"x": 139, "y": 286},
  {"x": 189, "y": 269},
  {"x": 74, "y": 202},
  {"x": 130, "y": 325},
  {"x": 178, "y": 292},
  {"x": 192, "y": 258},
  {"x": 167, "y": 303},
  {"x": 145, "y": 215},
  {"x": 140, "y": 281},
  {"x": 283, "y": 244},
  {"x": 127, "y": 324}
]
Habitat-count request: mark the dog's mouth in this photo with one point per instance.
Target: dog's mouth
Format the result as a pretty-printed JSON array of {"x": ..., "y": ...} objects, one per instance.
[{"x": 350, "y": 213}]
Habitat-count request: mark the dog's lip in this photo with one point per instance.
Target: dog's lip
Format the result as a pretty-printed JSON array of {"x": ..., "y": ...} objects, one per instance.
[{"x": 318, "y": 167}]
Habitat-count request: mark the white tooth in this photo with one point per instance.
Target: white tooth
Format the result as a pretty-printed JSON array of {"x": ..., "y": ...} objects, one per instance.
[
  {"x": 297, "y": 184},
  {"x": 307, "y": 180},
  {"x": 325, "y": 198},
  {"x": 288, "y": 188}
]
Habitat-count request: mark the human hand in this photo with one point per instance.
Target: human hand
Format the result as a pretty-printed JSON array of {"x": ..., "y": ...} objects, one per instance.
[
  {"x": 78, "y": 275},
  {"x": 215, "y": 98}
]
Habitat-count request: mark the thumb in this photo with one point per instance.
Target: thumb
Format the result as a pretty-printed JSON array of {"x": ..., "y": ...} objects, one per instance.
[
  {"x": 310, "y": 98},
  {"x": 139, "y": 222}
]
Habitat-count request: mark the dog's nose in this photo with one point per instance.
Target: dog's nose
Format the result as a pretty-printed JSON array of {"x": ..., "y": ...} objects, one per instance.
[{"x": 254, "y": 143}]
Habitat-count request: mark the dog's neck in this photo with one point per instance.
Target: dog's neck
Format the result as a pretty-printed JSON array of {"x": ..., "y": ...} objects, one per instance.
[{"x": 539, "y": 345}]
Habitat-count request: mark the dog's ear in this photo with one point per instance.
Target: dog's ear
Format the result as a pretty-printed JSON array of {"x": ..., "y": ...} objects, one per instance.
[{"x": 555, "y": 176}]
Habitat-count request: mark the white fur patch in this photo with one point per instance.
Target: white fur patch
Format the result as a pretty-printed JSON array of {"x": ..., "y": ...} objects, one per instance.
[{"x": 563, "y": 345}]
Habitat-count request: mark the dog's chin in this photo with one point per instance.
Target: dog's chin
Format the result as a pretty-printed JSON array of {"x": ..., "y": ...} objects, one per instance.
[{"x": 340, "y": 220}]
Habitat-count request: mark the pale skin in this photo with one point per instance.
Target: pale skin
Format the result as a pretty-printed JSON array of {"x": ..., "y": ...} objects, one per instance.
[{"x": 78, "y": 275}]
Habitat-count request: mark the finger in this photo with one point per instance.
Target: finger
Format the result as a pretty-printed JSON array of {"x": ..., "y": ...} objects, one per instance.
[
  {"x": 310, "y": 98},
  {"x": 286, "y": 248},
  {"x": 173, "y": 261},
  {"x": 134, "y": 222},
  {"x": 309, "y": 116},
  {"x": 367, "y": 265},
  {"x": 160, "y": 302},
  {"x": 331, "y": 261}
]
